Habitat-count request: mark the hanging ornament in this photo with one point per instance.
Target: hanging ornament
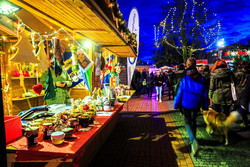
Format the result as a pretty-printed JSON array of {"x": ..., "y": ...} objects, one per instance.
[
  {"x": 50, "y": 89},
  {"x": 58, "y": 50},
  {"x": 38, "y": 88},
  {"x": 24, "y": 53},
  {"x": 41, "y": 54},
  {"x": 75, "y": 66}
]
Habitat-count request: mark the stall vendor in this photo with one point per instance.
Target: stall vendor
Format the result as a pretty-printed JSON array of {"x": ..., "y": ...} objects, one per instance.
[{"x": 61, "y": 84}]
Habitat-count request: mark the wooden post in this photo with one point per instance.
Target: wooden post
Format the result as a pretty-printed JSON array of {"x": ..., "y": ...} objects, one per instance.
[{"x": 3, "y": 157}]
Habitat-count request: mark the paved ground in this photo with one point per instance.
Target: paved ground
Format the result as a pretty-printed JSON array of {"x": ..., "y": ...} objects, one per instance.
[{"x": 150, "y": 133}]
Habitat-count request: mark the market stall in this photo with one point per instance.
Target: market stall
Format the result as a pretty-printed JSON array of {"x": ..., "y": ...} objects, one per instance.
[{"x": 79, "y": 150}]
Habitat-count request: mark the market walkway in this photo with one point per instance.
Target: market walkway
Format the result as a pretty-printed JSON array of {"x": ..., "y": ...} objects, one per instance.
[
  {"x": 150, "y": 133},
  {"x": 145, "y": 136}
]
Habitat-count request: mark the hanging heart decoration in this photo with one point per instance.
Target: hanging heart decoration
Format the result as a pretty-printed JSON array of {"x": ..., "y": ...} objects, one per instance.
[{"x": 38, "y": 88}]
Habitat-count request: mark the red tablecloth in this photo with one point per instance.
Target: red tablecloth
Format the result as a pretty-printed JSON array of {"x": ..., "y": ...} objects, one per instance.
[{"x": 70, "y": 149}]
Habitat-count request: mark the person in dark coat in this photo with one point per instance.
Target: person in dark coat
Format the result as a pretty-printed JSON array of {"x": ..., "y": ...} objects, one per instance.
[
  {"x": 179, "y": 74},
  {"x": 191, "y": 96},
  {"x": 164, "y": 76},
  {"x": 158, "y": 82},
  {"x": 136, "y": 82},
  {"x": 244, "y": 103},
  {"x": 144, "y": 81},
  {"x": 150, "y": 84},
  {"x": 220, "y": 87},
  {"x": 206, "y": 74},
  {"x": 170, "y": 83}
]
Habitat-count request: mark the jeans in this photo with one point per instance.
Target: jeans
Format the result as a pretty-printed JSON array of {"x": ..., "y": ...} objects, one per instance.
[
  {"x": 158, "y": 91},
  {"x": 222, "y": 109},
  {"x": 190, "y": 122}
]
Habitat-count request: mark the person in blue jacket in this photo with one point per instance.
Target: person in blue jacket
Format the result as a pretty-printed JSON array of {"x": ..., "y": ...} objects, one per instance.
[{"x": 192, "y": 95}]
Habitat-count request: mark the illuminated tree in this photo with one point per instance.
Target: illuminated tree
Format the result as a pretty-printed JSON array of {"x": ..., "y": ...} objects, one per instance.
[{"x": 189, "y": 26}]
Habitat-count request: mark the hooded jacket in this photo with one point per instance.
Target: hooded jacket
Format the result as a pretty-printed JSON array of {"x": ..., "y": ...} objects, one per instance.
[
  {"x": 192, "y": 92},
  {"x": 220, "y": 86}
]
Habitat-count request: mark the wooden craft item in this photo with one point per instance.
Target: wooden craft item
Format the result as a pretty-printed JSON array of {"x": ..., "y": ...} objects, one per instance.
[{"x": 24, "y": 53}]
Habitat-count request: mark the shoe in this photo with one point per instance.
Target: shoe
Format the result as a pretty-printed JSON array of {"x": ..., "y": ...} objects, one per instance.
[
  {"x": 195, "y": 148},
  {"x": 157, "y": 98},
  {"x": 160, "y": 101}
]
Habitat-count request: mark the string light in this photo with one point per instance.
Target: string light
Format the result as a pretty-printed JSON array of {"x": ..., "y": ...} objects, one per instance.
[{"x": 202, "y": 29}]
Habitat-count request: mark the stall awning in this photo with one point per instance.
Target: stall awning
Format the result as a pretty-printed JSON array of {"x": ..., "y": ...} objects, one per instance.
[
  {"x": 80, "y": 18},
  {"x": 122, "y": 51}
]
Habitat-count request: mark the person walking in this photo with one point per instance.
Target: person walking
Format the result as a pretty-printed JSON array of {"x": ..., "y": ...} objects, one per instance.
[
  {"x": 206, "y": 74},
  {"x": 150, "y": 84},
  {"x": 144, "y": 81},
  {"x": 170, "y": 84},
  {"x": 244, "y": 103},
  {"x": 136, "y": 83},
  {"x": 158, "y": 82},
  {"x": 164, "y": 76},
  {"x": 220, "y": 87},
  {"x": 191, "y": 96}
]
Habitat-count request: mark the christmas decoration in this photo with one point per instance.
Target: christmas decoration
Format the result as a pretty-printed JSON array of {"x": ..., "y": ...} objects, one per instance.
[
  {"x": 118, "y": 68},
  {"x": 50, "y": 89},
  {"x": 58, "y": 50},
  {"x": 24, "y": 53},
  {"x": 75, "y": 66},
  {"x": 182, "y": 25},
  {"x": 38, "y": 88},
  {"x": 41, "y": 54}
]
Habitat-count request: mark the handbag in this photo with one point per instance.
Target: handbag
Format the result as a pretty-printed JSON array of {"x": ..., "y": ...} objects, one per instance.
[{"x": 233, "y": 90}]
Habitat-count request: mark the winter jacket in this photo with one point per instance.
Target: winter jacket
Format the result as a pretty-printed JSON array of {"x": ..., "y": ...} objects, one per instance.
[
  {"x": 177, "y": 79},
  {"x": 62, "y": 94},
  {"x": 245, "y": 96},
  {"x": 170, "y": 77},
  {"x": 150, "y": 80},
  {"x": 220, "y": 86},
  {"x": 158, "y": 79},
  {"x": 241, "y": 78},
  {"x": 192, "y": 92}
]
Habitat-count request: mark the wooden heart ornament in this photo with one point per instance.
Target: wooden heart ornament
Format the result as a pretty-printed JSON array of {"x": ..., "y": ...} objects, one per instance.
[{"x": 38, "y": 88}]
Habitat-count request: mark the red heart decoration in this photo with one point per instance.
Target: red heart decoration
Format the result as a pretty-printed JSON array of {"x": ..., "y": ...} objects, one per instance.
[{"x": 38, "y": 88}]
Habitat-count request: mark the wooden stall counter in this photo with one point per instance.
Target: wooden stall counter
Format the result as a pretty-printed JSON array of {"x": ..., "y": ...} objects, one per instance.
[{"x": 78, "y": 151}]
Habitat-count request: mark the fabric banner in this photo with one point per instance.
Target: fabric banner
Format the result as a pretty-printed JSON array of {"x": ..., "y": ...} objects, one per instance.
[
  {"x": 79, "y": 78},
  {"x": 133, "y": 26}
]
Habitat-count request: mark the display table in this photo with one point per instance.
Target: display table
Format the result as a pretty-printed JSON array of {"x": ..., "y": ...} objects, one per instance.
[
  {"x": 79, "y": 150},
  {"x": 126, "y": 97}
]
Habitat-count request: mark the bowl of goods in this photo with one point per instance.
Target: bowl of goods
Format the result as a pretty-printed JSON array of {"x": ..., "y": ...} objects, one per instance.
[{"x": 57, "y": 137}]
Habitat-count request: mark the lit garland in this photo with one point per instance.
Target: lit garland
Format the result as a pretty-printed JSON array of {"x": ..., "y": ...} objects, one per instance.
[{"x": 170, "y": 26}]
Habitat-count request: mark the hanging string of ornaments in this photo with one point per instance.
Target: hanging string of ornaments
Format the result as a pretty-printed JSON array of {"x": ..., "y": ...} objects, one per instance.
[
  {"x": 199, "y": 22},
  {"x": 25, "y": 51}
]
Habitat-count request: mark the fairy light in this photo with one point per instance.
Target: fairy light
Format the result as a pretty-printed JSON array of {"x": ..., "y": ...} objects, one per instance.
[{"x": 201, "y": 27}]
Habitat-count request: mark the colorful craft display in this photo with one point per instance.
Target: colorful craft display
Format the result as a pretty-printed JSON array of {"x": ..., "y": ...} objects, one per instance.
[{"x": 122, "y": 90}]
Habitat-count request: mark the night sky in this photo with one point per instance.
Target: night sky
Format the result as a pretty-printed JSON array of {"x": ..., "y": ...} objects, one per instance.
[{"x": 234, "y": 14}]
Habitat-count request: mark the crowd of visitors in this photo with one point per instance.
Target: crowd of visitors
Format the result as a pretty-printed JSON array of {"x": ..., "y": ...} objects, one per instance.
[{"x": 217, "y": 87}]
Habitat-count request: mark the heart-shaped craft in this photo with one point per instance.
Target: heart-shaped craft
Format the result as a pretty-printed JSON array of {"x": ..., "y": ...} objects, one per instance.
[{"x": 38, "y": 88}]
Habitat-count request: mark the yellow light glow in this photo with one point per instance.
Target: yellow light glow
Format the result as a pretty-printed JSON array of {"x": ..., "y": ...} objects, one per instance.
[{"x": 87, "y": 44}]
